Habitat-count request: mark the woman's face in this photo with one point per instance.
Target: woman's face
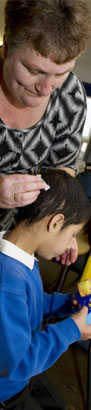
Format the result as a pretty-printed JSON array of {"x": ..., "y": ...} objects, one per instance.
[{"x": 29, "y": 78}]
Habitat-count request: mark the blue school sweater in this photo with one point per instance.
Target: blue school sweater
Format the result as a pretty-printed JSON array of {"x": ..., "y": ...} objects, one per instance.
[{"x": 25, "y": 348}]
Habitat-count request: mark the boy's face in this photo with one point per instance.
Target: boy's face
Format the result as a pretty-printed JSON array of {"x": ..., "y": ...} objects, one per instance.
[{"x": 57, "y": 242}]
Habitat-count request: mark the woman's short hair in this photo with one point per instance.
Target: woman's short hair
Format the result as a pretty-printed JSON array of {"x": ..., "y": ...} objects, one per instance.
[
  {"x": 55, "y": 28},
  {"x": 65, "y": 196}
]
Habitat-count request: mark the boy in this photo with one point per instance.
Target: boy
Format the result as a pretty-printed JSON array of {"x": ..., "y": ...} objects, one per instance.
[{"x": 46, "y": 227}]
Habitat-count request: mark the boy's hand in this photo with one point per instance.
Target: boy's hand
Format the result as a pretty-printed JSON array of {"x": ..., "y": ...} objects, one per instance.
[
  {"x": 74, "y": 301},
  {"x": 70, "y": 255},
  {"x": 80, "y": 319}
]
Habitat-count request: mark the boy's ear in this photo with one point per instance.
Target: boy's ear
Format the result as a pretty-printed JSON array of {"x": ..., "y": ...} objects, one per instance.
[{"x": 55, "y": 223}]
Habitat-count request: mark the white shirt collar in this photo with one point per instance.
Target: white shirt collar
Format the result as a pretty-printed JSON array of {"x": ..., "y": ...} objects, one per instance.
[{"x": 14, "y": 252}]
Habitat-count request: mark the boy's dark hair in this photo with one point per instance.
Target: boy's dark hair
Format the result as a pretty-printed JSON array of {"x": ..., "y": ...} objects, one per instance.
[
  {"x": 55, "y": 28},
  {"x": 65, "y": 196}
]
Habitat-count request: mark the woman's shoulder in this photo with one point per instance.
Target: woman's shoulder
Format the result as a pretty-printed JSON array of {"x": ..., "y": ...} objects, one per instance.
[
  {"x": 71, "y": 103},
  {"x": 73, "y": 86},
  {"x": 71, "y": 90}
]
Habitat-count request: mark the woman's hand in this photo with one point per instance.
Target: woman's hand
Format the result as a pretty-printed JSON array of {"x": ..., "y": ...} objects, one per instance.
[
  {"x": 19, "y": 190},
  {"x": 80, "y": 320}
]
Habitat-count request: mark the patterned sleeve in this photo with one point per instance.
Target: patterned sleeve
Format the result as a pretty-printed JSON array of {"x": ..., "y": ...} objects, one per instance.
[{"x": 71, "y": 115}]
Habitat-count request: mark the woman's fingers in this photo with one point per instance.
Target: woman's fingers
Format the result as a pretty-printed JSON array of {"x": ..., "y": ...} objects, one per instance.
[{"x": 19, "y": 190}]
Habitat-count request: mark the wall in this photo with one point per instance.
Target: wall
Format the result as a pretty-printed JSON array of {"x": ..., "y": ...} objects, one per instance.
[{"x": 83, "y": 64}]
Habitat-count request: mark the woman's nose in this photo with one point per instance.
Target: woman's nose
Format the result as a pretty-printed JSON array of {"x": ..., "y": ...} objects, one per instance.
[{"x": 45, "y": 86}]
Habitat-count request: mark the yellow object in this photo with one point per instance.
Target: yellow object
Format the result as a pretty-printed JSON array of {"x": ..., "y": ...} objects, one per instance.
[
  {"x": 87, "y": 270},
  {"x": 84, "y": 287}
]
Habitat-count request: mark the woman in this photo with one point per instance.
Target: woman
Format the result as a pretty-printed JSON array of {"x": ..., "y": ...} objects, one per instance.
[{"x": 43, "y": 104}]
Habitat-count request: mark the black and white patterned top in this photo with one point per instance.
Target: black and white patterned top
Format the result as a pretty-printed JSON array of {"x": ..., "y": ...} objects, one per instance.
[{"x": 53, "y": 141}]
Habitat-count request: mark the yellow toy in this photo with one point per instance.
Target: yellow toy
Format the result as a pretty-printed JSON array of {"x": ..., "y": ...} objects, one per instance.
[
  {"x": 83, "y": 294},
  {"x": 84, "y": 287}
]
